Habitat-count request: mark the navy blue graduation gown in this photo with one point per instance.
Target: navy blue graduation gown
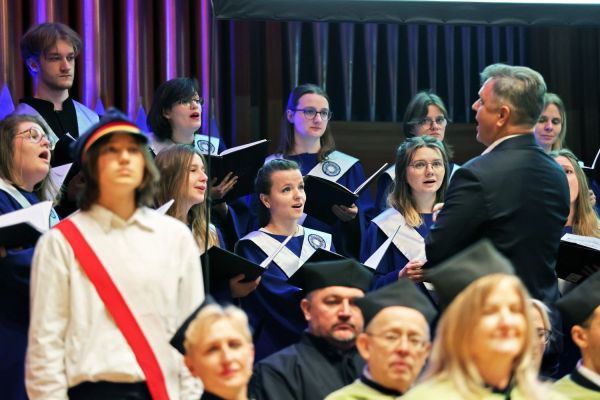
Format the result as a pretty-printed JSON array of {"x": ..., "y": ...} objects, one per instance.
[
  {"x": 346, "y": 235},
  {"x": 15, "y": 272},
  {"x": 393, "y": 260},
  {"x": 274, "y": 307}
]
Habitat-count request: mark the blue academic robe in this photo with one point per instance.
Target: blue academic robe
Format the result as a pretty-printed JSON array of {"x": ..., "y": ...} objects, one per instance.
[
  {"x": 15, "y": 271},
  {"x": 393, "y": 260},
  {"x": 274, "y": 307},
  {"x": 346, "y": 235}
]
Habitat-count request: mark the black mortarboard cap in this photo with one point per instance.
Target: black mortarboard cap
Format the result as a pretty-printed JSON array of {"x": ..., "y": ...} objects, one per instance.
[
  {"x": 403, "y": 293},
  {"x": 577, "y": 305},
  {"x": 114, "y": 121},
  {"x": 179, "y": 336},
  {"x": 450, "y": 277},
  {"x": 346, "y": 272}
]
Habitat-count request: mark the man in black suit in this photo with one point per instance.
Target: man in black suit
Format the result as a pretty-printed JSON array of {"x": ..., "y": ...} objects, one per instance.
[{"x": 514, "y": 194}]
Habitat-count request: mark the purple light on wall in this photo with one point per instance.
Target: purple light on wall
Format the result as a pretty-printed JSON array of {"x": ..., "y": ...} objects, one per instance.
[
  {"x": 170, "y": 45},
  {"x": 132, "y": 58},
  {"x": 206, "y": 60},
  {"x": 89, "y": 64},
  {"x": 41, "y": 12}
]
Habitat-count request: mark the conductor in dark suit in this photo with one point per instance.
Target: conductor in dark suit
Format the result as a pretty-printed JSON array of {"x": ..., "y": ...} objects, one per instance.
[{"x": 513, "y": 194}]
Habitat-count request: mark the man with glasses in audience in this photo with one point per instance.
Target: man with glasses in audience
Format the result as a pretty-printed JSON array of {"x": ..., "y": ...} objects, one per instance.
[
  {"x": 326, "y": 358},
  {"x": 395, "y": 344}
]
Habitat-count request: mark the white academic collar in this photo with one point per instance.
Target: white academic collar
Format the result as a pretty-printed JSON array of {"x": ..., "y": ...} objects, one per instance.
[
  {"x": 497, "y": 142},
  {"x": 588, "y": 373}
]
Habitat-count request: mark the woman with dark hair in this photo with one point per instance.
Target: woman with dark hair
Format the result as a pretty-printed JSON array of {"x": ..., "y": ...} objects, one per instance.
[
  {"x": 184, "y": 180},
  {"x": 306, "y": 138},
  {"x": 394, "y": 243},
  {"x": 25, "y": 154},
  {"x": 273, "y": 308},
  {"x": 425, "y": 115},
  {"x": 175, "y": 117}
]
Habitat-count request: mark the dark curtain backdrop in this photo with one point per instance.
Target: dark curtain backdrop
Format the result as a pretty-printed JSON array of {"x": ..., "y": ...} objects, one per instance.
[{"x": 369, "y": 70}]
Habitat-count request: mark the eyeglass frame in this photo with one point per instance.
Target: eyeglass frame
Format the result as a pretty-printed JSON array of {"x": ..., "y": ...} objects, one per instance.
[
  {"x": 547, "y": 334},
  {"x": 43, "y": 134},
  {"x": 391, "y": 344},
  {"x": 327, "y": 112},
  {"x": 199, "y": 101},
  {"x": 440, "y": 121},
  {"x": 439, "y": 163}
]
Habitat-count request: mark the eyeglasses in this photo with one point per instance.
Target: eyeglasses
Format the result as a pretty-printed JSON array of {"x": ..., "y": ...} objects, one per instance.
[
  {"x": 199, "y": 101},
  {"x": 35, "y": 135},
  {"x": 421, "y": 165},
  {"x": 393, "y": 340},
  {"x": 441, "y": 121},
  {"x": 311, "y": 113},
  {"x": 544, "y": 335}
]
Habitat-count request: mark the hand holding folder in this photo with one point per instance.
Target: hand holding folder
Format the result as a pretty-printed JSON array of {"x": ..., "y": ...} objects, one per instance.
[{"x": 323, "y": 194}]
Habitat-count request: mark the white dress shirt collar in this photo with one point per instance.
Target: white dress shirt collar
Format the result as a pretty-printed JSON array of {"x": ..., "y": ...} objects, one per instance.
[
  {"x": 588, "y": 373},
  {"x": 109, "y": 220}
]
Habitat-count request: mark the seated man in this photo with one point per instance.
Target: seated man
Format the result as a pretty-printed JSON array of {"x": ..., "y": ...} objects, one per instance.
[
  {"x": 581, "y": 309},
  {"x": 325, "y": 359},
  {"x": 395, "y": 343}
]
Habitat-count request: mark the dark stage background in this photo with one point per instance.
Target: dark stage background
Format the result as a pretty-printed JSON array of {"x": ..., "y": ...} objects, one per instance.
[{"x": 369, "y": 69}]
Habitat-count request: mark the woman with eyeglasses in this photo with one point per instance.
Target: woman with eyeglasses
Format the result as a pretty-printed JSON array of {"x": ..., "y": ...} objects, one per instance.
[
  {"x": 394, "y": 243},
  {"x": 306, "y": 138},
  {"x": 425, "y": 115},
  {"x": 175, "y": 117},
  {"x": 542, "y": 327},
  {"x": 25, "y": 154}
]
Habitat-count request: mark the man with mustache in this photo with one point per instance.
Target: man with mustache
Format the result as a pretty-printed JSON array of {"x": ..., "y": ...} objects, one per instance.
[{"x": 326, "y": 358}]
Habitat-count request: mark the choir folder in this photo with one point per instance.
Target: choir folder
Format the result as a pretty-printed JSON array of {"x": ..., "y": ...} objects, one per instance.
[
  {"x": 23, "y": 227},
  {"x": 322, "y": 194},
  {"x": 244, "y": 161},
  {"x": 224, "y": 265},
  {"x": 576, "y": 254}
]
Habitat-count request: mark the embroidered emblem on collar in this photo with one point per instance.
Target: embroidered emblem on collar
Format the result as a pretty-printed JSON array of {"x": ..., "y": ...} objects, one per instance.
[
  {"x": 316, "y": 241},
  {"x": 331, "y": 168},
  {"x": 205, "y": 146}
]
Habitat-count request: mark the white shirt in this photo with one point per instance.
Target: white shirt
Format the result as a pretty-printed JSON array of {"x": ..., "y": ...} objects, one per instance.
[
  {"x": 497, "y": 142},
  {"x": 588, "y": 373},
  {"x": 72, "y": 337}
]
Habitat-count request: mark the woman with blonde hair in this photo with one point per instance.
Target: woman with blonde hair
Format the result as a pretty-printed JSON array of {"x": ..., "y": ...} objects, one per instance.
[
  {"x": 219, "y": 351},
  {"x": 551, "y": 129},
  {"x": 582, "y": 218},
  {"x": 484, "y": 346}
]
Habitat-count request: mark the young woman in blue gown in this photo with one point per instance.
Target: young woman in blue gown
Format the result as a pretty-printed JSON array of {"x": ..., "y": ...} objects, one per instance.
[
  {"x": 419, "y": 184},
  {"x": 306, "y": 138},
  {"x": 274, "y": 307}
]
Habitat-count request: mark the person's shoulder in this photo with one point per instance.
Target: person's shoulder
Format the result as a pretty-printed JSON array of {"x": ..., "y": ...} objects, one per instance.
[
  {"x": 433, "y": 389},
  {"x": 162, "y": 221},
  {"x": 570, "y": 389},
  {"x": 86, "y": 110},
  {"x": 281, "y": 360},
  {"x": 356, "y": 391}
]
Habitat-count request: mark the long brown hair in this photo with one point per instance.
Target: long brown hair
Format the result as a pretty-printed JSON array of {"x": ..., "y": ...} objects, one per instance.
[
  {"x": 174, "y": 163},
  {"x": 144, "y": 194},
  {"x": 8, "y": 130},
  {"x": 401, "y": 197},
  {"x": 585, "y": 220},
  {"x": 286, "y": 141}
]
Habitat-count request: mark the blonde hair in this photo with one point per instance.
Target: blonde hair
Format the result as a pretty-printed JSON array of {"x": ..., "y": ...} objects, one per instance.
[
  {"x": 451, "y": 357},
  {"x": 585, "y": 220},
  {"x": 174, "y": 163},
  {"x": 211, "y": 314},
  {"x": 552, "y": 98}
]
